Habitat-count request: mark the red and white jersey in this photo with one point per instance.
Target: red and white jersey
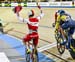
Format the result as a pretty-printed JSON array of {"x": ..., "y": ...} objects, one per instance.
[{"x": 32, "y": 22}]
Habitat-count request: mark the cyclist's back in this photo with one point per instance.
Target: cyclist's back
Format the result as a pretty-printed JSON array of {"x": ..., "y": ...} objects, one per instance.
[{"x": 61, "y": 18}]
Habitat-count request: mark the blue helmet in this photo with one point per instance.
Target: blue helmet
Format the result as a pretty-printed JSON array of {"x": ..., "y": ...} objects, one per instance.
[{"x": 61, "y": 12}]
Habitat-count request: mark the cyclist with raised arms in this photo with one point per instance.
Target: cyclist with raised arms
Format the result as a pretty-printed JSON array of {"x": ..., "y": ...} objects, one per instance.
[{"x": 32, "y": 23}]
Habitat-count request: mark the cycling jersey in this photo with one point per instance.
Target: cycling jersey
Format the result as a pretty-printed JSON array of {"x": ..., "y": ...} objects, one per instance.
[
  {"x": 61, "y": 19},
  {"x": 32, "y": 24}
]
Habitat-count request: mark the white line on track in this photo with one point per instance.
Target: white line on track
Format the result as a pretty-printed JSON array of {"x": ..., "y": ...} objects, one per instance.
[
  {"x": 3, "y": 57},
  {"x": 46, "y": 47}
]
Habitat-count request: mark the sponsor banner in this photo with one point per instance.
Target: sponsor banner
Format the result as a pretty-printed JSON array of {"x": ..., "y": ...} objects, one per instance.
[
  {"x": 31, "y": 4},
  {"x": 8, "y": 5},
  {"x": 43, "y": 3},
  {"x": 22, "y": 4},
  {"x": 48, "y": 4},
  {"x": 3, "y": 4},
  {"x": 25, "y": 4},
  {"x": 60, "y": 4},
  {"x": 14, "y": 4},
  {"x": 0, "y": 5},
  {"x": 54, "y": 3},
  {"x": 65, "y": 3}
]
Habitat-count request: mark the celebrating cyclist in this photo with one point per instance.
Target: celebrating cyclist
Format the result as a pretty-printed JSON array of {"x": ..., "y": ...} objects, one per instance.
[{"x": 32, "y": 23}]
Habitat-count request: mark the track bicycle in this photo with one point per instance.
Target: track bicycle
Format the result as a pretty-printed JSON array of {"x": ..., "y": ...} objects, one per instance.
[
  {"x": 59, "y": 39},
  {"x": 33, "y": 55},
  {"x": 61, "y": 48}
]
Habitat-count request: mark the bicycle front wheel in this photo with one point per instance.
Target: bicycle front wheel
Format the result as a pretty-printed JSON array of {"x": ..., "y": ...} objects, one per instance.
[
  {"x": 60, "y": 47},
  {"x": 27, "y": 56}
]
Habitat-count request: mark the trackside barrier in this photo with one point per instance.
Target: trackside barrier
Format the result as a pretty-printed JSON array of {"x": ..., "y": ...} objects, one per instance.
[{"x": 43, "y": 4}]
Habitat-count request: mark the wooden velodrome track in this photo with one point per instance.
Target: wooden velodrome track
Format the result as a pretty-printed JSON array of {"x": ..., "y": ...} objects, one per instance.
[{"x": 46, "y": 31}]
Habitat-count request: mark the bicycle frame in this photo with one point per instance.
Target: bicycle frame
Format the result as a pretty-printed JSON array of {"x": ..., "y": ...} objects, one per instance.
[{"x": 33, "y": 56}]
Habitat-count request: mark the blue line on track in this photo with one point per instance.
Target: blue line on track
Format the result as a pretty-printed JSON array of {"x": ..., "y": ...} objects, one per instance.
[{"x": 13, "y": 42}]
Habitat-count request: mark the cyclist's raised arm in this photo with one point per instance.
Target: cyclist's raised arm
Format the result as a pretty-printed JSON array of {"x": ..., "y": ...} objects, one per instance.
[
  {"x": 21, "y": 19},
  {"x": 41, "y": 13}
]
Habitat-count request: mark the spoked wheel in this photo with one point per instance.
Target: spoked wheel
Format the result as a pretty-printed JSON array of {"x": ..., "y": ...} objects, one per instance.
[
  {"x": 60, "y": 47},
  {"x": 72, "y": 46},
  {"x": 35, "y": 55},
  {"x": 27, "y": 56}
]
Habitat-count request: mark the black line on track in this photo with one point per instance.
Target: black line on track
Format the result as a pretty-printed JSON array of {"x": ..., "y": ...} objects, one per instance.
[
  {"x": 57, "y": 56},
  {"x": 24, "y": 23},
  {"x": 39, "y": 38}
]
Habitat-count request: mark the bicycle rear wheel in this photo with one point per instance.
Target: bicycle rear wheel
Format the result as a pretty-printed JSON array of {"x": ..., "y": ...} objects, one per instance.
[
  {"x": 61, "y": 48},
  {"x": 72, "y": 46},
  {"x": 35, "y": 55}
]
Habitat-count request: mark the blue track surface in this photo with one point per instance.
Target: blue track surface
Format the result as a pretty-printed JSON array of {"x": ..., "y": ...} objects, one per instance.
[{"x": 13, "y": 42}]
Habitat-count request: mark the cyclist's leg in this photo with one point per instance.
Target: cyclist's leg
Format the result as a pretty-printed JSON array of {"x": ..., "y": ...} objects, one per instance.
[
  {"x": 26, "y": 40},
  {"x": 64, "y": 26},
  {"x": 70, "y": 33},
  {"x": 35, "y": 40},
  {"x": 35, "y": 52},
  {"x": 63, "y": 36},
  {"x": 70, "y": 25},
  {"x": 72, "y": 28}
]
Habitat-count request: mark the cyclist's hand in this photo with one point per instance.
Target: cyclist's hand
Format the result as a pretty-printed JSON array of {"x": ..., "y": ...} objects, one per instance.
[
  {"x": 38, "y": 6},
  {"x": 53, "y": 24},
  {"x": 17, "y": 9},
  {"x": 56, "y": 31}
]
